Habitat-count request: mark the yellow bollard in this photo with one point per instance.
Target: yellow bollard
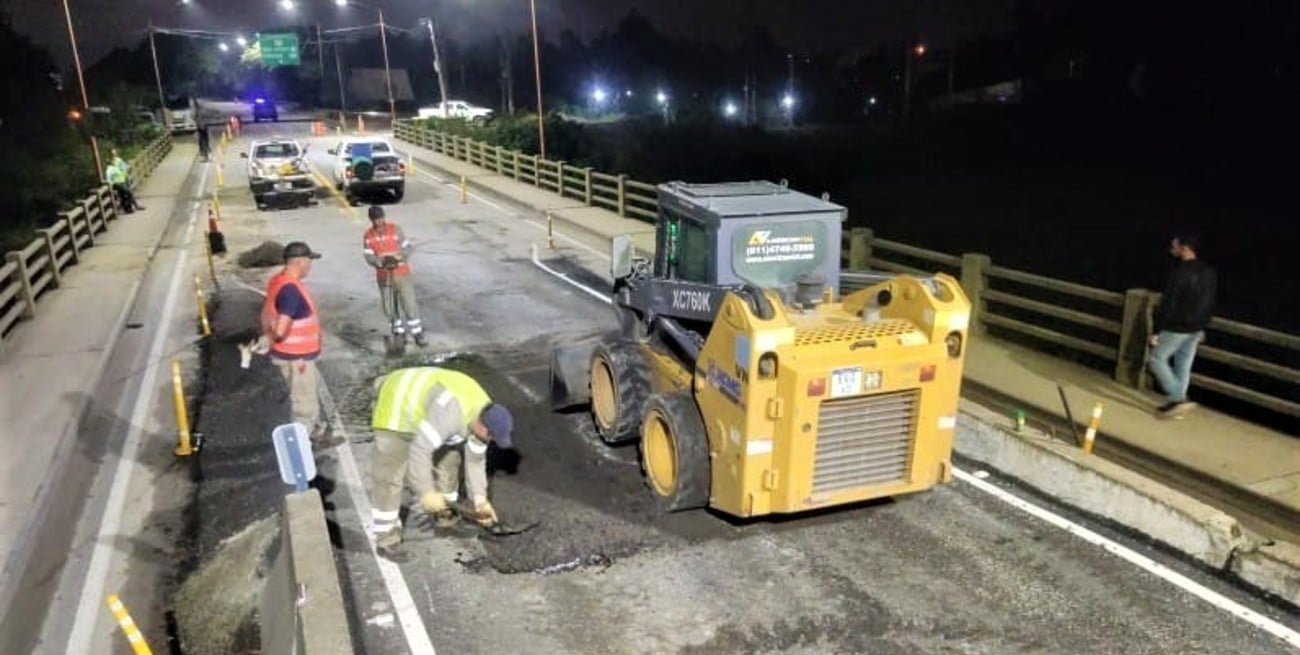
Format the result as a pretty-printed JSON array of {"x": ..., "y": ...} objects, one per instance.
[
  {"x": 129, "y": 628},
  {"x": 183, "y": 447},
  {"x": 464, "y": 190},
  {"x": 550, "y": 231},
  {"x": 410, "y": 164},
  {"x": 212, "y": 266},
  {"x": 216, "y": 205},
  {"x": 1091, "y": 435},
  {"x": 203, "y": 306},
  {"x": 221, "y": 179}
]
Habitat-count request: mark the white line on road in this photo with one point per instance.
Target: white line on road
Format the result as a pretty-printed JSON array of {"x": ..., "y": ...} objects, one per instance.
[
  {"x": 540, "y": 226},
  {"x": 1165, "y": 573},
  {"x": 92, "y": 591}
]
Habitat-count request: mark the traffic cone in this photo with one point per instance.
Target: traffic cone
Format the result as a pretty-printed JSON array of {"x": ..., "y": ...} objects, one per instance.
[{"x": 216, "y": 240}]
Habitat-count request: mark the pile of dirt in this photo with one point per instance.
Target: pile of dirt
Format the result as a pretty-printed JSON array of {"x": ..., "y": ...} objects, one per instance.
[
  {"x": 216, "y": 607},
  {"x": 270, "y": 253}
]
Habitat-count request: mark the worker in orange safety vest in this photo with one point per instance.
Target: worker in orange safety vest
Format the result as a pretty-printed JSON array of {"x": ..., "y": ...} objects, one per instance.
[{"x": 387, "y": 250}]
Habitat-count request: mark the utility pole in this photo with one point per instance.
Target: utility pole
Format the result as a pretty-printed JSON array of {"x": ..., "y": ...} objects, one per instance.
[
  {"x": 537, "y": 72},
  {"x": 388, "y": 75},
  {"x": 437, "y": 67},
  {"x": 338, "y": 68},
  {"x": 505, "y": 60},
  {"x": 85, "y": 99},
  {"x": 320, "y": 56},
  {"x": 157, "y": 77}
]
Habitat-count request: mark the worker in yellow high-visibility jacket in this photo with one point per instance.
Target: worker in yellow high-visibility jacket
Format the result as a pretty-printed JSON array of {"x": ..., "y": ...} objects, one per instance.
[{"x": 427, "y": 421}]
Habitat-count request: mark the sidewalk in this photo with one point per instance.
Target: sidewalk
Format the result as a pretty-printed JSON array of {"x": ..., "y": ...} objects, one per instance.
[
  {"x": 1221, "y": 447},
  {"x": 52, "y": 363}
]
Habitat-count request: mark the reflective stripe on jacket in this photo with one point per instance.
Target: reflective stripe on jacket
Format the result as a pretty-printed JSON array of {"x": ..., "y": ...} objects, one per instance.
[
  {"x": 404, "y": 398},
  {"x": 304, "y": 333},
  {"x": 382, "y": 244}
]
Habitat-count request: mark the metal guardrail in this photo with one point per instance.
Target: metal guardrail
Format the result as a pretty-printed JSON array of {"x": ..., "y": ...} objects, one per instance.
[
  {"x": 28, "y": 273},
  {"x": 1108, "y": 326}
]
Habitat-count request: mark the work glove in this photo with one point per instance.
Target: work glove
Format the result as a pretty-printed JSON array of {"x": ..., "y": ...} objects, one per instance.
[
  {"x": 390, "y": 262},
  {"x": 439, "y": 512},
  {"x": 484, "y": 514},
  {"x": 258, "y": 346}
]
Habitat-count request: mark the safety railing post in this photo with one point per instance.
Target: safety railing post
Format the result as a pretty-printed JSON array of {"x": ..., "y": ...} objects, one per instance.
[{"x": 974, "y": 279}]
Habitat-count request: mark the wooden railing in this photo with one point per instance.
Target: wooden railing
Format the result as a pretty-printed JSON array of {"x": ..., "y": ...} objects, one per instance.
[
  {"x": 1107, "y": 326},
  {"x": 28, "y": 273},
  {"x": 1104, "y": 327}
]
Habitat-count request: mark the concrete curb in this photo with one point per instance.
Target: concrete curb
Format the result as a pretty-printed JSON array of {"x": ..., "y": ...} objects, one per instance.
[
  {"x": 1101, "y": 488},
  {"x": 302, "y": 605},
  {"x": 1274, "y": 568}
]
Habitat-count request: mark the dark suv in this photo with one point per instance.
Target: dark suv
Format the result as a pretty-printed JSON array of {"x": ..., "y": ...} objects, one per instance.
[{"x": 264, "y": 110}]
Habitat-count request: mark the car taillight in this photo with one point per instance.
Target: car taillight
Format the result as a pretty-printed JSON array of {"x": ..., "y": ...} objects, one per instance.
[{"x": 348, "y": 171}]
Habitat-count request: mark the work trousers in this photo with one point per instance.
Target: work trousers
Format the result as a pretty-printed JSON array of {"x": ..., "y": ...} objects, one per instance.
[
  {"x": 304, "y": 400},
  {"x": 397, "y": 295},
  {"x": 1180, "y": 347},
  {"x": 125, "y": 198},
  {"x": 402, "y": 457}
]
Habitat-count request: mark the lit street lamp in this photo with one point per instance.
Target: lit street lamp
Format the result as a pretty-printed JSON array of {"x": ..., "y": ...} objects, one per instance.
[
  {"x": 223, "y": 46},
  {"x": 243, "y": 43},
  {"x": 85, "y": 99},
  {"x": 917, "y": 51}
]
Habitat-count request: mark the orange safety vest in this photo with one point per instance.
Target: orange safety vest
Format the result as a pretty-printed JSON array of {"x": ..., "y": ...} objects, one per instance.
[
  {"x": 304, "y": 333},
  {"x": 383, "y": 244}
]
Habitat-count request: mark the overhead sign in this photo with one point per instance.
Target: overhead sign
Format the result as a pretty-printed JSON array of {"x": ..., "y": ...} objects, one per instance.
[{"x": 279, "y": 49}]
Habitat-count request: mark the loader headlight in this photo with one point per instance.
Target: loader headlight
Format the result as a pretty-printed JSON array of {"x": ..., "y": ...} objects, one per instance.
[{"x": 953, "y": 342}]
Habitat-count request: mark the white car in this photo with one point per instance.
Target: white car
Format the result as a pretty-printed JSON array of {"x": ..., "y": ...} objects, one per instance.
[
  {"x": 277, "y": 169},
  {"x": 457, "y": 109},
  {"x": 363, "y": 164}
]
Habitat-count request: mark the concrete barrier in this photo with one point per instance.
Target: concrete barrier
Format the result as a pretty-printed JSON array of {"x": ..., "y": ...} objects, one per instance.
[
  {"x": 1100, "y": 488},
  {"x": 1274, "y": 568},
  {"x": 302, "y": 606}
]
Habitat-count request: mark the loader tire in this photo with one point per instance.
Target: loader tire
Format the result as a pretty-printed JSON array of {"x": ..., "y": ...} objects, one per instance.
[
  {"x": 620, "y": 383},
  {"x": 675, "y": 451}
]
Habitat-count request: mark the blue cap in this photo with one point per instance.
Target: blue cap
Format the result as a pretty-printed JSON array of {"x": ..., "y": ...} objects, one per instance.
[{"x": 499, "y": 423}]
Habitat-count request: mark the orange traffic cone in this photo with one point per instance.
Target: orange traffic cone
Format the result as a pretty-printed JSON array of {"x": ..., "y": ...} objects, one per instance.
[{"x": 216, "y": 240}]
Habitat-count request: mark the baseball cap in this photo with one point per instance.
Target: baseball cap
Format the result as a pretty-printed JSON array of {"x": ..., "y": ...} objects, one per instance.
[
  {"x": 299, "y": 249},
  {"x": 376, "y": 212},
  {"x": 497, "y": 419}
]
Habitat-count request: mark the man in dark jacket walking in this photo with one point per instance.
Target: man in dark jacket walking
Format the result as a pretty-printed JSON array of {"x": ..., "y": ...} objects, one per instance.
[{"x": 1185, "y": 309}]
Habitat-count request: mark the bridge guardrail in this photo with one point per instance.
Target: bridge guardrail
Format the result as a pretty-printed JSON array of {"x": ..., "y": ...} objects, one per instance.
[
  {"x": 1106, "y": 328},
  {"x": 29, "y": 272}
]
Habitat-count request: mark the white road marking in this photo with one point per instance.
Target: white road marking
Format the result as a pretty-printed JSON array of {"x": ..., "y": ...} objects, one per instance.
[
  {"x": 1165, "y": 573},
  {"x": 92, "y": 591},
  {"x": 540, "y": 226}
]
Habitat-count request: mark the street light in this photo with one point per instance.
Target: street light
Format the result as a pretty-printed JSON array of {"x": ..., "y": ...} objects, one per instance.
[
  {"x": 598, "y": 95},
  {"x": 243, "y": 43},
  {"x": 661, "y": 98},
  {"x": 729, "y": 109},
  {"x": 85, "y": 99},
  {"x": 383, "y": 40},
  {"x": 223, "y": 46}
]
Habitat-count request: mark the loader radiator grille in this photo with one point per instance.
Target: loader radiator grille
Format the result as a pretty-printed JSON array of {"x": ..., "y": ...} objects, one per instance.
[
  {"x": 855, "y": 332},
  {"x": 865, "y": 440}
]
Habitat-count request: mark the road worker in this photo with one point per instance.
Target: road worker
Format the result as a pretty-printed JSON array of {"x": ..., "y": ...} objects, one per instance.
[
  {"x": 387, "y": 250},
  {"x": 291, "y": 330},
  {"x": 428, "y": 423},
  {"x": 117, "y": 174}
]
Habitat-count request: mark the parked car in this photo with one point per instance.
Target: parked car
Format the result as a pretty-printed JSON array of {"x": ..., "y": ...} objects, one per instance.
[
  {"x": 363, "y": 164},
  {"x": 278, "y": 169},
  {"x": 457, "y": 109},
  {"x": 264, "y": 110}
]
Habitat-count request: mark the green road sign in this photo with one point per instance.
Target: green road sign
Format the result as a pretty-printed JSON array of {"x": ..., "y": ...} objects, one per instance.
[{"x": 279, "y": 49}]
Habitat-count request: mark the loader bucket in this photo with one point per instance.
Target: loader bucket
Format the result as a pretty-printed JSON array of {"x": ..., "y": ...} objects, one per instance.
[{"x": 570, "y": 373}]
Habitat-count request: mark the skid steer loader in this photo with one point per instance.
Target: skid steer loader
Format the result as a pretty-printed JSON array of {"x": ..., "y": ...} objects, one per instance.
[{"x": 752, "y": 384}]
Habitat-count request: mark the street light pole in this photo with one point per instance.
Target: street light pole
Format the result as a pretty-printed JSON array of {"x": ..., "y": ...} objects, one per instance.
[
  {"x": 388, "y": 76},
  {"x": 537, "y": 72},
  {"x": 338, "y": 68},
  {"x": 157, "y": 78},
  {"x": 85, "y": 99},
  {"x": 437, "y": 68}
]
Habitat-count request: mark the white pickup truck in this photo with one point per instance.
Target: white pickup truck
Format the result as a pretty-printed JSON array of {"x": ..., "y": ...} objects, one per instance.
[{"x": 457, "y": 109}]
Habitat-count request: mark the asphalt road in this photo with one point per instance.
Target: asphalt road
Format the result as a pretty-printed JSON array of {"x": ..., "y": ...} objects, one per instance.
[{"x": 950, "y": 571}]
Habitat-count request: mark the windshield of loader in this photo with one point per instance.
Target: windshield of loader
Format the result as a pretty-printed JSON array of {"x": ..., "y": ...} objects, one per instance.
[{"x": 775, "y": 255}]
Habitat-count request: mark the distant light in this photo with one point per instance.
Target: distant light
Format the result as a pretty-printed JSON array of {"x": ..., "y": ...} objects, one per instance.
[
  {"x": 920, "y": 50},
  {"x": 730, "y": 109},
  {"x": 598, "y": 95},
  {"x": 223, "y": 46},
  {"x": 628, "y": 93},
  {"x": 74, "y": 114},
  {"x": 341, "y": 3},
  {"x": 260, "y": 101},
  {"x": 661, "y": 98},
  {"x": 241, "y": 41},
  {"x": 787, "y": 101},
  {"x": 872, "y": 100},
  {"x": 286, "y": 5}
]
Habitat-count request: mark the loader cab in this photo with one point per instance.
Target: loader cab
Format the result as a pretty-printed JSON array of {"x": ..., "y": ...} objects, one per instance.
[{"x": 758, "y": 233}]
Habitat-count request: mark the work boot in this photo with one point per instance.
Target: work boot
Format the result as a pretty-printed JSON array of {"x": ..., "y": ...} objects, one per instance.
[{"x": 389, "y": 543}]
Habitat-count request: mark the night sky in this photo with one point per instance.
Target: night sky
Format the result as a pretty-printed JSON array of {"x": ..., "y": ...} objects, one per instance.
[{"x": 801, "y": 24}]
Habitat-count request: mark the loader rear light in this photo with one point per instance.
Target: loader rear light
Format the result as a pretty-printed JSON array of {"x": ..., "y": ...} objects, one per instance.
[
  {"x": 927, "y": 372},
  {"x": 953, "y": 342},
  {"x": 817, "y": 387},
  {"x": 767, "y": 366}
]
